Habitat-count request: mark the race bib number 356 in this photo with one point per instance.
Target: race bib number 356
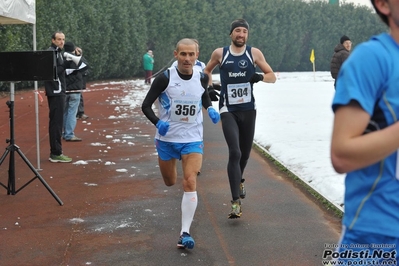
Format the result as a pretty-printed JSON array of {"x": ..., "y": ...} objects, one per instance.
[{"x": 184, "y": 110}]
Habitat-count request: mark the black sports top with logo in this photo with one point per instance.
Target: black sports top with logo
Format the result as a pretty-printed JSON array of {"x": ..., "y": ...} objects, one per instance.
[{"x": 235, "y": 73}]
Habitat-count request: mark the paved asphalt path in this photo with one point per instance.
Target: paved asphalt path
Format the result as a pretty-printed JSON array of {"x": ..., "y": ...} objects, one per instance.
[{"x": 117, "y": 211}]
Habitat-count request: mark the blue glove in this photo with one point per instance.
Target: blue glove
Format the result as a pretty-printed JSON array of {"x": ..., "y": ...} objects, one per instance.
[
  {"x": 213, "y": 114},
  {"x": 163, "y": 127}
]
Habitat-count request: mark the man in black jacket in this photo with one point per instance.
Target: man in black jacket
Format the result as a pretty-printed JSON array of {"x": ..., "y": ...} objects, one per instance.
[
  {"x": 55, "y": 92},
  {"x": 341, "y": 53}
]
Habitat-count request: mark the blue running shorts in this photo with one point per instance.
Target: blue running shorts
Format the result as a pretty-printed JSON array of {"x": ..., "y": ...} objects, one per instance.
[{"x": 168, "y": 150}]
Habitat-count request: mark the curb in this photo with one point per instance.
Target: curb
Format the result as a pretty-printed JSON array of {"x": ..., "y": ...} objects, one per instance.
[{"x": 322, "y": 199}]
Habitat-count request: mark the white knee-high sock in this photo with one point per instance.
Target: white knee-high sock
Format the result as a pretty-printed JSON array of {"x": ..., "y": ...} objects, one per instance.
[{"x": 188, "y": 206}]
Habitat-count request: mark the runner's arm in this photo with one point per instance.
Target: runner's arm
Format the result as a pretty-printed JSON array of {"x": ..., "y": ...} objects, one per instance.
[
  {"x": 260, "y": 61},
  {"x": 215, "y": 60},
  {"x": 206, "y": 100},
  {"x": 157, "y": 87}
]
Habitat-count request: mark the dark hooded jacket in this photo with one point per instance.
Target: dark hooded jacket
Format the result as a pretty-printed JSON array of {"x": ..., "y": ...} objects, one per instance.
[
  {"x": 338, "y": 58},
  {"x": 75, "y": 81},
  {"x": 58, "y": 87}
]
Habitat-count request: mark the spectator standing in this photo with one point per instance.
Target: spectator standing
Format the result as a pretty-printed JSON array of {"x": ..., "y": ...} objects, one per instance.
[
  {"x": 148, "y": 63},
  {"x": 341, "y": 53},
  {"x": 55, "y": 92},
  {"x": 74, "y": 87}
]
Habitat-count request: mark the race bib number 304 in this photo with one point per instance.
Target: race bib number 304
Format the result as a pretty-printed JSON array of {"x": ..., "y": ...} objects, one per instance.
[
  {"x": 184, "y": 110},
  {"x": 239, "y": 93}
]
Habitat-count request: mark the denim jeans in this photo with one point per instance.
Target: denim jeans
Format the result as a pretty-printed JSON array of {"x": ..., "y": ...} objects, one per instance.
[{"x": 71, "y": 109}]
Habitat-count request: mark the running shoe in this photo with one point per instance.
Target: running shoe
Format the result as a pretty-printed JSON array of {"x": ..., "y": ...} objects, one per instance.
[
  {"x": 236, "y": 210},
  {"x": 74, "y": 139},
  {"x": 84, "y": 117},
  {"x": 243, "y": 192},
  {"x": 59, "y": 158},
  {"x": 185, "y": 241}
]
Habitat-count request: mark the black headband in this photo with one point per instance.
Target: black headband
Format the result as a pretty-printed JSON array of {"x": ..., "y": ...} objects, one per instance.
[{"x": 239, "y": 23}]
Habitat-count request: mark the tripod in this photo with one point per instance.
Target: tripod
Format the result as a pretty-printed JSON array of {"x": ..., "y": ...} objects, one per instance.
[{"x": 10, "y": 150}]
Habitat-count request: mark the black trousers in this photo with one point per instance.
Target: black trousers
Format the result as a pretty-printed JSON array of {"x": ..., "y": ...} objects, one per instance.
[
  {"x": 238, "y": 129},
  {"x": 56, "y": 106},
  {"x": 81, "y": 108}
]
